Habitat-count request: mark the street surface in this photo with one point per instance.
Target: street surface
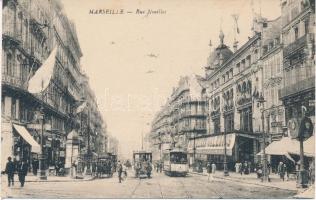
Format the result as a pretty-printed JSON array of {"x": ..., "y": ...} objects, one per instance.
[{"x": 160, "y": 186}]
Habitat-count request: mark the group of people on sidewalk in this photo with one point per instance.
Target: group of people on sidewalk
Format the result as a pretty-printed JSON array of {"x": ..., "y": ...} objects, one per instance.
[
  {"x": 211, "y": 169},
  {"x": 13, "y": 167}
]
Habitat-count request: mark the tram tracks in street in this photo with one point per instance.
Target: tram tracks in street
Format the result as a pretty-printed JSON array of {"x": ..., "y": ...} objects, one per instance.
[
  {"x": 187, "y": 193},
  {"x": 135, "y": 189},
  {"x": 212, "y": 189},
  {"x": 160, "y": 190}
]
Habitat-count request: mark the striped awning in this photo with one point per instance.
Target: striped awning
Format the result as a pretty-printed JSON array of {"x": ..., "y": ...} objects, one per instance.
[
  {"x": 24, "y": 133},
  {"x": 213, "y": 145}
]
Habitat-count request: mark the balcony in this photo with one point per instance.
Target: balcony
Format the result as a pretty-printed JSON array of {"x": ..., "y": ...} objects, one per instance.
[
  {"x": 300, "y": 86},
  {"x": 192, "y": 114},
  {"x": 293, "y": 47},
  {"x": 74, "y": 93},
  {"x": 12, "y": 35},
  {"x": 12, "y": 81}
]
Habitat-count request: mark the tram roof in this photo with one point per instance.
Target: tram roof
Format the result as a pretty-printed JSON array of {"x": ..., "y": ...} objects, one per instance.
[
  {"x": 175, "y": 150},
  {"x": 141, "y": 152}
]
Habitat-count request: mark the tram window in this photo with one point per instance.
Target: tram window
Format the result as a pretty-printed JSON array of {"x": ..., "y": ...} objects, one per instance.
[{"x": 178, "y": 158}]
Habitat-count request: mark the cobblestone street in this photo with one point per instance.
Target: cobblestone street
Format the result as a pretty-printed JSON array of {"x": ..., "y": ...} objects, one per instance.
[{"x": 160, "y": 186}]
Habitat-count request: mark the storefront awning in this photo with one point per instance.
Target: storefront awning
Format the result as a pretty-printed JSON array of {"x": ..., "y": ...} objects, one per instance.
[
  {"x": 213, "y": 145},
  {"x": 287, "y": 146},
  {"x": 35, "y": 147}
]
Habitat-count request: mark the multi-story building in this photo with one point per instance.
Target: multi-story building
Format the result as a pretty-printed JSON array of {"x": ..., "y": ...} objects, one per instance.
[
  {"x": 298, "y": 91},
  {"x": 31, "y": 29},
  {"x": 113, "y": 145},
  {"x": 231, "y": 79},
  {"x": 182, "y": 117},
  {"x": 271, "y": 79}
]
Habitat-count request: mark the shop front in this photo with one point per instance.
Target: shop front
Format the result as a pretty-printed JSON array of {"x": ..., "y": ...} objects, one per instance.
[{"x": 211, "y": 148}]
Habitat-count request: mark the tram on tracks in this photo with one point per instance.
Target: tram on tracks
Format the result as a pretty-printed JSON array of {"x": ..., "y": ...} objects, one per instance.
[
  {"x": 142, "y": 163},
  {"x": 105, "y": 166},
  {"x": 175, "y": 162}
]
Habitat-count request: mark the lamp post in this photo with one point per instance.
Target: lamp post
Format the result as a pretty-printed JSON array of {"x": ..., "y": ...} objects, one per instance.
[
  {"x": 225, "y": 152},
  {"x": 41, "y": 171},
  {"x": 194, "y": 150},
  {"x": 261, "y": 101}
]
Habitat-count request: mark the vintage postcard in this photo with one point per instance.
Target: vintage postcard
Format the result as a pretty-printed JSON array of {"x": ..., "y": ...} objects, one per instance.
[{"x": 208, "y": 99}]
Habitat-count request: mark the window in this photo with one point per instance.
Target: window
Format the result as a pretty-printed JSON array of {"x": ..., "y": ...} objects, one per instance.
[
  {"x": 238, "y": 67},
  {"x": 13, "y": 109},
  {"x": 217, "y": 125},
  {"x": 2, "y": 105},
  {"x": 296, "y": 33},
  {"x": 229, "y": 122},
  {"x": 246, "y": 120},
  {"x": 306, "y": 26},
  {"x": 248, "y": 61},
  {"x": 9, "y": 64}
]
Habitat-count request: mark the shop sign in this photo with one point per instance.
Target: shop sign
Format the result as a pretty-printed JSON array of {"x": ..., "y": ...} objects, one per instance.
[
  {"x": 38, "y": 126},
  {"x": 293, "y": 127},
  {"x": 276, "y": 124}
]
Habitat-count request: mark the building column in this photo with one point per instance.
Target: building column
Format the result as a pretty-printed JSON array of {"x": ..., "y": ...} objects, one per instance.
[
  {"x": 237, "y": 149},
  {"x": 7, "y": 106},
  {"x": 7, "y": 140},
  {"x": 255, "y": 150}
]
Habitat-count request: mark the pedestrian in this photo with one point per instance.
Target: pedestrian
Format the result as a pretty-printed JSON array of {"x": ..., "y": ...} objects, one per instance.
[
  {"x": 237, "y": 167},
  {"x": 246, "y": 168},
  {"x": 124, "y": 172},
  {"x": 241, "y": 168},
  {"x": 22, "y": 172},
  {"x": 35, "y": 166},
  {"x": 119, "y": 171},
  {"x": 160, "y": 167},
  {"x": 312, "y": 172},
  {"x": 209, "y": 170},
  {"x": 157, "y": 166},
  {"x": 281, "y": 170},
  {"x": 213, "y": 168},
  {"x": 56, "y": 168},
  {"x": 148, "y": 169},
  {"x": 9, "y": 170}
]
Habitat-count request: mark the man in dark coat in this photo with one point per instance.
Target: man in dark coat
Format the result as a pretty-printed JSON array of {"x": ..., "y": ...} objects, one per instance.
[
  {"x": 22, "y": 172},
  {"x": 9, "y": 169},
  {"x": 119, "y": 171},
  {"x": 209, "y": 170}
]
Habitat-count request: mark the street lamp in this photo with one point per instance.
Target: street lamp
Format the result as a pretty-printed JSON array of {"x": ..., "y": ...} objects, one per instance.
[
  {"x": 225, "y": 152},
  {"x": 41, "y": 171},
  {"x": 261, "y": 101}
]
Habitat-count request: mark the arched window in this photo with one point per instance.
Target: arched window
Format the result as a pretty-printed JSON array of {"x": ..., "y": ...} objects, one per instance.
[
  {"x": 9, "y": 64},
  {"x": 244, "y": 87},
  {"x": 249, "y": 87}
]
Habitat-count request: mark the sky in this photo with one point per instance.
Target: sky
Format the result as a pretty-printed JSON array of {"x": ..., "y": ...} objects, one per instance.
[{"x": 133, "y": 60}]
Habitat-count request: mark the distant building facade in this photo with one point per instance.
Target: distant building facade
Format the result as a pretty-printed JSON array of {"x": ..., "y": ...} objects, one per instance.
[{"x": 182, "y": 117}]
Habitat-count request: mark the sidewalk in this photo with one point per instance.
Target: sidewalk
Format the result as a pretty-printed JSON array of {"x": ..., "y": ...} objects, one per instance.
[
  {"x": 251, "y": 178},
  {"x": 31, "y": 178}
]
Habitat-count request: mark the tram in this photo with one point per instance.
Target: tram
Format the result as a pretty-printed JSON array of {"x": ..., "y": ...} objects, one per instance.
[
  {"x": 175, "y": 162},
  {"x": 105, "y": 166},
  {"x": 142, "y": 163}
]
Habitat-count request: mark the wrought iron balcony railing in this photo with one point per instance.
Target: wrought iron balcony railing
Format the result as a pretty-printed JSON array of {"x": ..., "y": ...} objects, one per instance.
[{"x": 297, "y": 87}]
